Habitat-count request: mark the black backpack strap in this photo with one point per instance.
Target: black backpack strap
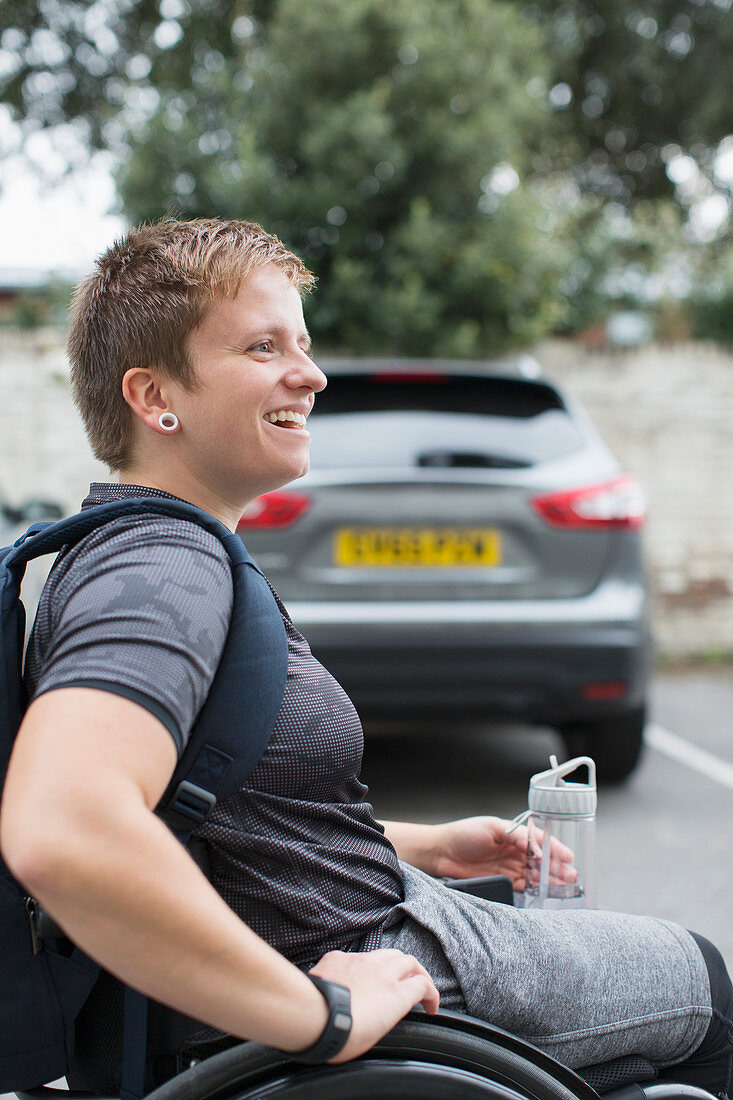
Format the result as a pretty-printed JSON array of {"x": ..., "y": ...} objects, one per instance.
[
  {"x": 234, "y": 726},
  {"x": 49, "y": 538},
  {"x": 134, "y": 1045},
  {"x": 241, "y": 708}
]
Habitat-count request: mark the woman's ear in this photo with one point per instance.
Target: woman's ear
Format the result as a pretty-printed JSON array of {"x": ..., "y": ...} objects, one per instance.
[{"x": 143, "y": 392}]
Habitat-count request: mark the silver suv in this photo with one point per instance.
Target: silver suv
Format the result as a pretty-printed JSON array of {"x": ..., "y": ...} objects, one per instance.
[{"x": 464, "y": 544}]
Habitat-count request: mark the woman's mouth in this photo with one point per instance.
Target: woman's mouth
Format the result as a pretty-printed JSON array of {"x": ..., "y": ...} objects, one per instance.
[{"x": 285, "y": 418}]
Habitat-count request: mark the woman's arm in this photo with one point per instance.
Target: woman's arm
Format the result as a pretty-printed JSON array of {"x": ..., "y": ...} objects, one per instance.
[
  {"x": 78, "y": 830},
  {"x": 472, "y": 847},
  {"x": 415, "y": 843}
]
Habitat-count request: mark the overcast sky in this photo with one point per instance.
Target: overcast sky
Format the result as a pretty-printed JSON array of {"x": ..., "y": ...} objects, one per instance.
[{"x": 58, "y": 226}]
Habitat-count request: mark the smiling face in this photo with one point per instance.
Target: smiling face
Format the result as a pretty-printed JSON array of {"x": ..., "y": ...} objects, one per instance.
[{"x": 243, "y": 426}]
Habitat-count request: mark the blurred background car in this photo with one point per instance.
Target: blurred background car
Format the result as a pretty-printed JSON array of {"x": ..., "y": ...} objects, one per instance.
[
  {"x": 466, "y": 544},
  {"x": 14, "y": 520}
]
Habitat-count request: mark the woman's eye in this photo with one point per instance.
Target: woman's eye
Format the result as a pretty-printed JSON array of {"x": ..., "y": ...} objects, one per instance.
[{"x": 264, "y": 345}]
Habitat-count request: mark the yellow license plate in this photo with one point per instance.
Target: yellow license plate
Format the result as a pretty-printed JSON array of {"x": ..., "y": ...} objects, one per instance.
[{"x": 450, "y": 547}]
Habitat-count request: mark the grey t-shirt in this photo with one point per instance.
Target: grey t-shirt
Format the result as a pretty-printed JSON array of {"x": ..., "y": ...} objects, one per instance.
[{"x": 141, "y": 608}]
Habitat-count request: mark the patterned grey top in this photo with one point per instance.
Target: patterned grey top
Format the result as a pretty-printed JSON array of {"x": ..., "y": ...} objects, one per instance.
[{"x": 141, "y": 608}]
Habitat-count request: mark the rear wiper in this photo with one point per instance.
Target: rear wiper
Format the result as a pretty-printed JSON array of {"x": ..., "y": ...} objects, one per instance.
[{"x": 470, "y": 459}]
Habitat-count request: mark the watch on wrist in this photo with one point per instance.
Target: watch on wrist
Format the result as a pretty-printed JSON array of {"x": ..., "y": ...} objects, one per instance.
[{"x": 338, "y": 1025}]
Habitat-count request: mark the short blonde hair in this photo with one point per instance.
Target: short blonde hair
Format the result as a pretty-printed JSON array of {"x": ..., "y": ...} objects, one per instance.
[{"x": 138, "y": 307}]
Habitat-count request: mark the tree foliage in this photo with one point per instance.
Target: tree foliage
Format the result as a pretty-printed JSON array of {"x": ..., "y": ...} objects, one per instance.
[
  {"x": 633, "y": 78},
  {"x": 368, "y": 137},
  {"x": 442, "y": 167},
  {"x": 626, "y": 78}
]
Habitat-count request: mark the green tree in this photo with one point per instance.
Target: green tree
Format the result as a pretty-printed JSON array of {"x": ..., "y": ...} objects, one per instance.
[
  {"x": 444, "y": 167},
  {"x": 97, "y": 64},
  {"x": 712, "y": 299},
  {"x": 625, "y": 80},
  {"x": 385, "y": 142},
  {"x": 631, "y": 81}
]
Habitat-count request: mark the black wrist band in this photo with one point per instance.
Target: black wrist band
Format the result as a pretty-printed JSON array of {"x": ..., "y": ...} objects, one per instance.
[{"x": 338, "y": 1025}]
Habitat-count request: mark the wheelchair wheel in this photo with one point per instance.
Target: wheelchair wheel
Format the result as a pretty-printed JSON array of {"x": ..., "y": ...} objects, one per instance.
[{"x": 443, "y": 1057}]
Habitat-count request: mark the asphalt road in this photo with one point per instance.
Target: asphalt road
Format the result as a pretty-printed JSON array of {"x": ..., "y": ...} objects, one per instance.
[{"x": 664, "y": 838}]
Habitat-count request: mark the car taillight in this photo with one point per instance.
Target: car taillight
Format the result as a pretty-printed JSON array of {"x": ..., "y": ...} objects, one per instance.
[
  {"x": 605, "y": 689},
  {"x": 276, "y": 509},
  {"x": 618, "y": 503}
]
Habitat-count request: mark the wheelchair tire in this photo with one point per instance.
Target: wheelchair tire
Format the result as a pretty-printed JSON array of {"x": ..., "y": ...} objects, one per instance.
[{"x": 443, "y": 1057}]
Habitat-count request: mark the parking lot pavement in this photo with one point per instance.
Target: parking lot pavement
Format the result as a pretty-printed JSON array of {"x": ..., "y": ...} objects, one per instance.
[{"x": 676, "y": 841}]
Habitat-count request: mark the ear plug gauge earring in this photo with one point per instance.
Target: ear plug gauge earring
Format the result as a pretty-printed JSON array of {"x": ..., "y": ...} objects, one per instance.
[{"x": 168, "y": 422}]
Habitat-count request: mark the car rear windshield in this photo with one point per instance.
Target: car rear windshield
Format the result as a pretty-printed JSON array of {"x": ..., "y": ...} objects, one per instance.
[
  {"x": 396, "y": 392},
  {"x": 439, "y": 420}
]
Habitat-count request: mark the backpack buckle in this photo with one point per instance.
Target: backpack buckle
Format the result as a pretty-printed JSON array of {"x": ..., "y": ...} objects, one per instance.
[{"x": 190, "y": 806}]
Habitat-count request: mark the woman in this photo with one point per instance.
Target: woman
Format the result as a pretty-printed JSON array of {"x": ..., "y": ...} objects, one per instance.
[{"x": 191, "y": 369}]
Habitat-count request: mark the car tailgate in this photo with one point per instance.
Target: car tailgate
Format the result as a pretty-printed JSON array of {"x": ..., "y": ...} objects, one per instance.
[{"x": 424, "y": 537}]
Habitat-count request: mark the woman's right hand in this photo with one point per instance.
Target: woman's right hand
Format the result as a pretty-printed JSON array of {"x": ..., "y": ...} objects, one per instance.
[{"x": 385, "y": 985}]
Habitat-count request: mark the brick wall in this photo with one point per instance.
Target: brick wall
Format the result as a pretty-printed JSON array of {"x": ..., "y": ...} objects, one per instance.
[
  {"x": 665, "y": 411},
  {"x": 44, "y": 449}
]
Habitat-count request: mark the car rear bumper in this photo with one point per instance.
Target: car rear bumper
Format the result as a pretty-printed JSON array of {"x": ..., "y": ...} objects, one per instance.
[{"x": 549, "y": 661}]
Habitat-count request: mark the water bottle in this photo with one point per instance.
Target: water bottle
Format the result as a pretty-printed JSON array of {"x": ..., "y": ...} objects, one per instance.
[{"x": 566, "y": 812}]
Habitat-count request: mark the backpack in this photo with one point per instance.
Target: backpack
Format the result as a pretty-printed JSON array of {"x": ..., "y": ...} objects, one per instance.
[{"x": 44, "y": 978}]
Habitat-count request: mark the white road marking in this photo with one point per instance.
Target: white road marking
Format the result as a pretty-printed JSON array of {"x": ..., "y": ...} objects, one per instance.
[{"x": 684, "y": 752}]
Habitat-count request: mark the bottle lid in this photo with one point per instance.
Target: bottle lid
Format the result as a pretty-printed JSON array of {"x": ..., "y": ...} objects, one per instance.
[{"x": 550, "y": 793}]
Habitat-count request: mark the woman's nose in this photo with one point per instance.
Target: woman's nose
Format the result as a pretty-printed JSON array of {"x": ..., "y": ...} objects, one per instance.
[
  {"x": 307, "y": 373},
  {"x": 321, "y": 378}
]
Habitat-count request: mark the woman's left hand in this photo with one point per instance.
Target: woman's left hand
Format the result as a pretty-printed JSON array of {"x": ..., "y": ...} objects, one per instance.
[{"x": 476, "y": 846}]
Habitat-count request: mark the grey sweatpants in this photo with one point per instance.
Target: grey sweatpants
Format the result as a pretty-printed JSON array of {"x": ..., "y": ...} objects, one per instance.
[{"x": 584, "y": 985}]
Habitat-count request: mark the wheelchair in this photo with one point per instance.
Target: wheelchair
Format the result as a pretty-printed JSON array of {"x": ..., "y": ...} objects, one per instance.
[
  {"x": 449, "y": 1056},
  {"x": 443, "y": 1057}
]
